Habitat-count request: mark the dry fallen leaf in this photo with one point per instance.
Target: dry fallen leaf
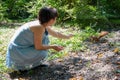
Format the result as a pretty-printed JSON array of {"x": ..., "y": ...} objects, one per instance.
[
  {"x": 116, "y": 50},
  {"x": 118, "y": 67},
  {"x": 75, "y": 54},
  {"x": 118, "y": 63},
  {"x": 96, "y": 61},
  {"x": 21, "y": 79},
  {"x": 99, "y": 55},
  {"x": 80, "y": 61},
  {"x": 59, "y": 60},
  {"x": 73, "y": 79},
  {"x": 78, "y": 78}
]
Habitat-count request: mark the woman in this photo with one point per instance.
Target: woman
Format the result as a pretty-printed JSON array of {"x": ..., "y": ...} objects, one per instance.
[{"x": 28, "y": 47}]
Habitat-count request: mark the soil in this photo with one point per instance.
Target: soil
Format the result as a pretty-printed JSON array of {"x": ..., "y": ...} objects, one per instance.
[{"x": 100, "y": 61}]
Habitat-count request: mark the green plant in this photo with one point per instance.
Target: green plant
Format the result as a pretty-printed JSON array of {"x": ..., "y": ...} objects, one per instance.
[
  {"x": 74, "y": 44},
  {"x": 5, "y": 35},
  {"x": 2, "y": 11}
]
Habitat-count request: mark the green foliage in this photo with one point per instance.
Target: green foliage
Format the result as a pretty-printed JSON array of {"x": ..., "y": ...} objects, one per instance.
[
  {"x": 65, "y": 9},
  {"x": 74, "y": 44},
  {"x": 88, "y": 32},
  {"x": 80, "y": 12},
  {"x": 16, "y": 9},
  {"x": 2, "y": 10},
  {"x": 85, "y": 15},
  {"x": 33, "y": 7},
  {"x": 110, "y": 8}
]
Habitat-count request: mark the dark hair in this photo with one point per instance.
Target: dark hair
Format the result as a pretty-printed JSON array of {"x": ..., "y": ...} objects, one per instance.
[{"x": 46, "y": 14}]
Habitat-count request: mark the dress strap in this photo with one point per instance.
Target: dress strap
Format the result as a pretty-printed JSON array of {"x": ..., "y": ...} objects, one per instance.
[{"x": 46, "y": 32}]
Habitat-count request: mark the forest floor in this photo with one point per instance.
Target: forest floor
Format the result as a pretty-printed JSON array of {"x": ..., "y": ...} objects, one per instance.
[{"x": 101, "y": 61}]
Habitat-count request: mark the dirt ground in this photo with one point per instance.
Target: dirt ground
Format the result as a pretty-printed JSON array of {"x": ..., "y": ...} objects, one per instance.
[{"x": 100, "y": 61}]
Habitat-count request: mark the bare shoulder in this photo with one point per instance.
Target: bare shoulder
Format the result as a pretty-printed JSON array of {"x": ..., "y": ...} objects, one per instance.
[{"x": 36, "y": 28}]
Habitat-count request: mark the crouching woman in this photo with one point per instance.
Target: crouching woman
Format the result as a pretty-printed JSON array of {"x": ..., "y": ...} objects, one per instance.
[{"x": 30, "y": 44}]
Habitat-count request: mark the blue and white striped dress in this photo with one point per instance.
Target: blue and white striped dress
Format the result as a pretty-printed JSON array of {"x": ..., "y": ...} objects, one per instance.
[{"x": 21, "y": 52}]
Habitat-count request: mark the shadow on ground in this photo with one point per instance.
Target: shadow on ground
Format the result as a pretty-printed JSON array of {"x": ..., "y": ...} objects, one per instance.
[{"x": 56, "y": 72}]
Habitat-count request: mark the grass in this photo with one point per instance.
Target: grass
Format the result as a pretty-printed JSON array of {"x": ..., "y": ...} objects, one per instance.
[
  {"x": 5, "y": 35},
  {"x": 74, "y": 44}
]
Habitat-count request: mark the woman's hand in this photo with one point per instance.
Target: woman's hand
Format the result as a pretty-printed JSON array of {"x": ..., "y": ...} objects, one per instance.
[{"x": 58, "y": 48}]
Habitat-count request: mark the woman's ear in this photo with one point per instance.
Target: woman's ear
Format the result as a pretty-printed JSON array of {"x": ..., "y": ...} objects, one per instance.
[{"x": 52, "y": 22}]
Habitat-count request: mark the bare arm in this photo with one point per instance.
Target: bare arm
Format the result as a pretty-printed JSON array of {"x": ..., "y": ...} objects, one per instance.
[
  {"x": 58, "y": 34},
  {"x": 38, "y": 36}
]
